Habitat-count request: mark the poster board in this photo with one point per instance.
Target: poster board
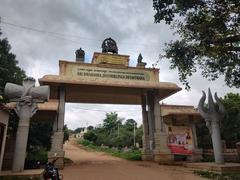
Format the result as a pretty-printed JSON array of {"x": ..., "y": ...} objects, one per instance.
[
  {"x": 93, "y": 73},
  {"x": 180, "y": 140}
]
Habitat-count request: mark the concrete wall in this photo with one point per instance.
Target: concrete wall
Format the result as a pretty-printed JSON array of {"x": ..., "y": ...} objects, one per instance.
[{"x": 230, "y": 155}]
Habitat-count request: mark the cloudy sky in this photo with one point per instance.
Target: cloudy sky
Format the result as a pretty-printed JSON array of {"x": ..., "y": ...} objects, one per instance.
[{"x": 44, "y": 31}]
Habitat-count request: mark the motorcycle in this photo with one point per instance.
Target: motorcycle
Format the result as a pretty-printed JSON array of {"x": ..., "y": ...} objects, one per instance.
[{"x": 51, "y": 172}]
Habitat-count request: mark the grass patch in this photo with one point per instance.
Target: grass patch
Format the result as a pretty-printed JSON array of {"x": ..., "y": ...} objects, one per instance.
[
  {"x": 216, "y": 176},
  {"x": 134, "y": 155},
  {"x": 19, "y": 178}
]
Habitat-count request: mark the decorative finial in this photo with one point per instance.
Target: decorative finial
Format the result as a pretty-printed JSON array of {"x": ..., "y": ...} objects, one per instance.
[
  {"x": 140, "y": 63},
  {"x": 213, "y": 114},
  {"x": 109, "y": 45},
  {"x": 80, "y": 55},
  {"x": 140, "y": 58}
]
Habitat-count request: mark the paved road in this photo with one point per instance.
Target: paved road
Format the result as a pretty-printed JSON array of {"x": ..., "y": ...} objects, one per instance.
[{"x": 99, "y": 166}]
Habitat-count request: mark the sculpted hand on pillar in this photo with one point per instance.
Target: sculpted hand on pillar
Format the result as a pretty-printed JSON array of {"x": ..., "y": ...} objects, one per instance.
[
  {"x": 213, "y": 114},
  {"x": 26, "y": 96}
]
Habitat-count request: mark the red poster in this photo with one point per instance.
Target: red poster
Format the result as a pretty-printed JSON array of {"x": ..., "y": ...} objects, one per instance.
[{"x": 180, "y": 140}]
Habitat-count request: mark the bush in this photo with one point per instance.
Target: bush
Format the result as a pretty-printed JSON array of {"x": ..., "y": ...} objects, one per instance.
[
  {"x": 84, "y": 142},
  {"x": 19, "y": 178},
  {"x": 134, "y": 154},
  {"x": 90, "y": 136},
  {"x": 217, "y": 176},
  {"x": 36, "y": 154}
]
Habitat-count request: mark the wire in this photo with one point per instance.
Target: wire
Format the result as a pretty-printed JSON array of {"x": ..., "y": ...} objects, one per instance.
[
  {"x": 46, "y": 32},
  {"x": 105, "y": 110},
  {"x": 63, "y": 37},
  {"x": 61, "y": 34}
]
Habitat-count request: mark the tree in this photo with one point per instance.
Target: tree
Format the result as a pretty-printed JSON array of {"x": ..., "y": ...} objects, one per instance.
[
  {"x": 209, "y": 37},
  {"x": 111, "y": 122},
  {"x": 39, "y": 142},
  {"x": 230, "y": 126},
  {"x": 9, "y": 72},
  {"x": 40, "y": 134},
  {"x": 9, "y": 69},
  {"x": 90, "y": 136},
  {"x": 115, "y": 134},
  {"x": 129, "y": 124},
  {"x": 66, "y": 133},
  {"x": 78, "y": 130},
  {"x": 89, "y": 128}
]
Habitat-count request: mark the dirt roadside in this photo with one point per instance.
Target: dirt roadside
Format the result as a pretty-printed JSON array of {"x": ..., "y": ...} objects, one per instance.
[{"x": 100, "y": 166}]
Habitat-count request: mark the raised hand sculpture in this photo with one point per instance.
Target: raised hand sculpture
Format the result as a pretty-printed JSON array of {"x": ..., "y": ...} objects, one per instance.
[
  {"x": 27, "y": 97},
  {"x": 213, "y": 114}
]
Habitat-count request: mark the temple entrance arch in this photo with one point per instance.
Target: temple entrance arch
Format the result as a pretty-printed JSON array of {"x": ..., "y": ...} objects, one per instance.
[{"x": 110, "y": 80}]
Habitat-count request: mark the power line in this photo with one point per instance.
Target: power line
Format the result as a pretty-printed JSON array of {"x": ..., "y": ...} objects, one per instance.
[
  {"x": 85, "y": 109},
  {"x": 71, "y": 35},
  {"x": 63, "y": 37},
  {"x": 46, "y": 32}
]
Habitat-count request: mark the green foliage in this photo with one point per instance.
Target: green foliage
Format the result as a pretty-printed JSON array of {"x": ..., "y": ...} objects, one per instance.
[
  {"x": 9, "y": 72},
  {"x": 78, "y": 130},
  {"x": 134, "y": 154},
  {"x": 90, "y": 136},
  {"x": 90, "y": 128},
  {"x": 40, "y": 134},
  {"x": 13, "y": 123},
  {"x": 209, "y": 37},
  {"x": 66, "y": 133},
  {"x": 111, "y": 122},
  {"x": 129, "y": 124},
  {"x": 20, "y": 178},
  {"x": 9, "y": 69},
  {"x": 230, "y": 126},
  {"x": 217, "y": 176},
  {"x": 39, "y": 143},
  {"x": 115, "y": 134},
  {"x": 204, "y": 137},
  {"x": 37, "y": 153},
  {"x": 85, "y": 142}
]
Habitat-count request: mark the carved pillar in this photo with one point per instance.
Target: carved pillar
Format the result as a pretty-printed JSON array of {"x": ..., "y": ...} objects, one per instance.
[
  {"x": 61, "y": 110},
  {"x": 197, "y": 153},
  {"x": 193, "y": 127},
  {"x": 213, "y": 115},
  {"x": 146, "y": 154},
  {"x": 150, "y": 116},
  {"x": 58, "y": 134},
  {"x": 26, "y": 97},
  {"x": 217, "y": 143},
  {"x": 21, "y": 138},
  {"x": 161, "y": 150}
]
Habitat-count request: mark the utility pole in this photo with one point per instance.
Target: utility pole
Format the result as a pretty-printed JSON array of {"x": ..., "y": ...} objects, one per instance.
[
  {"x": 134, "y": 135},
  {"x": 118, "y": 129}
]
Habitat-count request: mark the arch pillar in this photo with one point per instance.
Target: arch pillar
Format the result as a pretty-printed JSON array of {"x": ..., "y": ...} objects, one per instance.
[
  {"x": 58, "y": 134},
  {"x": 155, "y": 145},
  {"x": 146, "y": 152},
  {"x": 162, "y": 153}
]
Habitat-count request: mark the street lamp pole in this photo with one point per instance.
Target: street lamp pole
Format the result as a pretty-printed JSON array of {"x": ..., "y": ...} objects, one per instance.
[
  {"x": 118, "y": 129},
  {"x": 134, "y": 135}
]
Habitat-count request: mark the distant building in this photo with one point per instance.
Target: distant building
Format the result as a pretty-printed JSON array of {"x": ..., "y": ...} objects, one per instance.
[{"x": 81, "y": 134}]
